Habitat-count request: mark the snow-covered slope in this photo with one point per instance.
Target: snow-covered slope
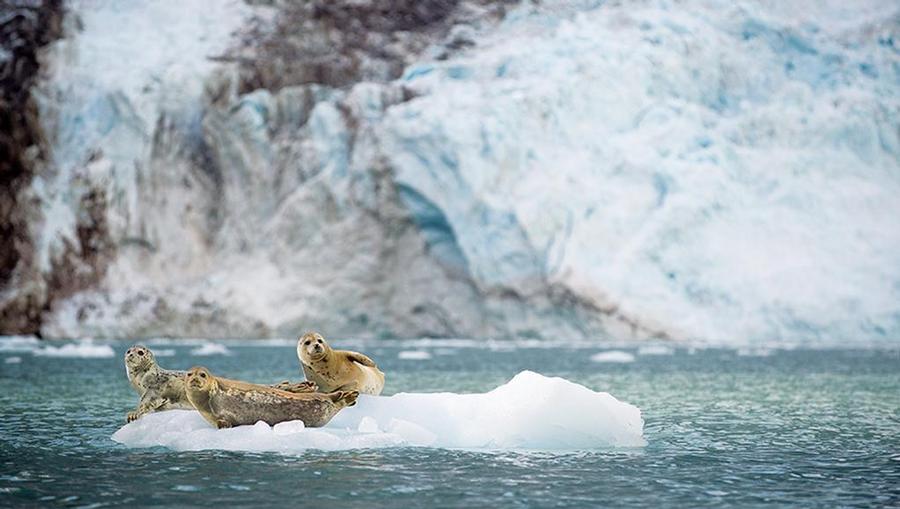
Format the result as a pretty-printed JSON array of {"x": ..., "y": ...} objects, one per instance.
[{"x": 714, "y": 170}]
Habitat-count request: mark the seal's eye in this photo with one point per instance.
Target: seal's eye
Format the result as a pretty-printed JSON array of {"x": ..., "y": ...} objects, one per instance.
[
  {"x": 140, "y": 352},
  {"x": 202, "y": 375},
  {"x": 307, "y": 342}
]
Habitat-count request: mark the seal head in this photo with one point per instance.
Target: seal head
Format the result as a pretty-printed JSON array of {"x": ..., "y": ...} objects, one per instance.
[
  {"x": 312, "y": 348},
  {"x": 138, "y": 359}
]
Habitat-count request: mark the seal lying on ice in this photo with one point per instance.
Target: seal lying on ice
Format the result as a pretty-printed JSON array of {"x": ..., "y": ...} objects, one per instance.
[
  {"x": 225, "y": 403},
  {"x": 336, "y": 370}
]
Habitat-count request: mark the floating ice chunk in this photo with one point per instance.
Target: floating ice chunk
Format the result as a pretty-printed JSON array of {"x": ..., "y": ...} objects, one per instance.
[
  {"x": 211, "y": 349},
  {"x": 81, "y": 349},
  {"x": 754, "y": 352},
  {"x": 656, "y": 350},
  {"x": 19, "y": 343},
  {"x": 13, "y": 360},
  {"x": 414, "y": 355},
  {"x": 164, "y": 352},
  {"x": 613, "y": 356},
  {"x": 531, "y": 411}
]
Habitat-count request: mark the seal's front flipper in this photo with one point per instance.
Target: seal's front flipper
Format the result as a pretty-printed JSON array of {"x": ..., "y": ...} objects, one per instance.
[
  {"x": 146, "y": 406},
  {"x": 360, "y": 358},
  {"x": 344, "y": 398}
]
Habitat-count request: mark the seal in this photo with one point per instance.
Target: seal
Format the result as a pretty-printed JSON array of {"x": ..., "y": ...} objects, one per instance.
[
  {"x": 226, "y": 403},
  {"x": 337, "y": 370},
  {"x": 162, "y": 389},
  {"x": 159, "y": 389}
]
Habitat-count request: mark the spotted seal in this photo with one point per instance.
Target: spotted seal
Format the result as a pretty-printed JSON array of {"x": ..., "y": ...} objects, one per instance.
[
  {"x": 226, "y": 403},
  {"x": 335, "y": 370}
]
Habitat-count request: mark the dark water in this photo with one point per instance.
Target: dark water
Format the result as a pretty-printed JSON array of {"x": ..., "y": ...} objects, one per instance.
[{"x": 796, "y": 428}]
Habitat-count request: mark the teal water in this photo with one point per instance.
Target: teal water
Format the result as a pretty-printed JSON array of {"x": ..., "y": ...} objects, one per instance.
[{"x": 792, "y": 428}]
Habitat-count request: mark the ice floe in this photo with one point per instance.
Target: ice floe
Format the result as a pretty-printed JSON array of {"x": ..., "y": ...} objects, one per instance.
[
  {"x": 530, "y": 412},
  {"x": 656, "y": 350},
  {"x": 81, "y": 349},
  {"x": 19, "y": 343},
  {"x": 616, "y": 356},
  {"x": 414, "y": 355},
  {"x": 207, "y": 349}
]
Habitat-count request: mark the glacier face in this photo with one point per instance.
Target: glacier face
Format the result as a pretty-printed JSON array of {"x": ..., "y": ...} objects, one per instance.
[{"x": 717, "y": 170}]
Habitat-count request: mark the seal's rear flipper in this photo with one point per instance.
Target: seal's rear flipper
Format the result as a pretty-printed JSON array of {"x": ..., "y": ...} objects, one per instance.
[
  {"x": 347, "y": 398},
  {"x": 298, "y": 388}
]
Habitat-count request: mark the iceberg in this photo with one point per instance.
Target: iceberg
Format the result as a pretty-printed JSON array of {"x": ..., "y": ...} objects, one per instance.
[{"x": 530, "y": 412}]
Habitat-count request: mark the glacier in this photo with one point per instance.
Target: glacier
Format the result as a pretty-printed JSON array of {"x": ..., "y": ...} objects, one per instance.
[
  {"x": 723, "y": 171},
  {"x": 530, "y": 412}
]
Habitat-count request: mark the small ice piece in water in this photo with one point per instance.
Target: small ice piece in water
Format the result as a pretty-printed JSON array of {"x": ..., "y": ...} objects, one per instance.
[
  {"x": 617, "y": 356},
  {"x": 19, "y": 343},
  {"x": 211, "y": 349},
  {"x": 82, "y": 349},
  {"x": 531, "y": 411},
  {"x": 656, "y": 350},
  {"x": 164, "y": 352},
  {"x": 13, "y": 360},
  {"x": 414, "y": 355},
  {"x": 754, "y": 352}
]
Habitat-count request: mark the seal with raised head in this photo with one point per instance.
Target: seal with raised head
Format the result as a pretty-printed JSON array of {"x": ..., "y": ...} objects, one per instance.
[
  {"x": 225, "y": 403},
  {"x": 160, "y": 389},
  {"x": 163, "y": 389},
  {"x": 337, "y": 370}
]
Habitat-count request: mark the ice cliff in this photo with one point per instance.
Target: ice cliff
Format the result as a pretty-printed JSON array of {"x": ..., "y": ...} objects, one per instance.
[{"x": 711, "y": 170}]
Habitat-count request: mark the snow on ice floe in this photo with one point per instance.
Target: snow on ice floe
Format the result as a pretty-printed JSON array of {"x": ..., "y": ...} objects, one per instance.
[
  {"x": 530, "y": 412},
  {"x": 614, "y": 356},
  {"x": 207, "y": 349},
  {"x": 414, "y": 355},
  {"x": 81, "y": 349}
]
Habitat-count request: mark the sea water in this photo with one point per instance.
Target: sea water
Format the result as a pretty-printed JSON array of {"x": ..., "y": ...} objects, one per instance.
[{"x": 721, "y": 427}]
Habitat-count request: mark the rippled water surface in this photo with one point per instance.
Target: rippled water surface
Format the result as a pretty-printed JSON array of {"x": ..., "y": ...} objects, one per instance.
[{"x": 724, "y": 428}]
